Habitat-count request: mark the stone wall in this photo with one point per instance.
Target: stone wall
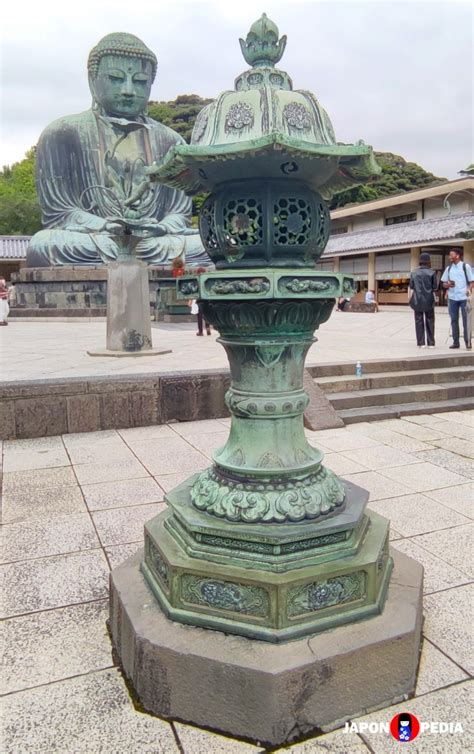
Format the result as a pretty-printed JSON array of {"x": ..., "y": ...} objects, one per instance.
[
  {"x": 73, "y": 290},
  {"x": 52, "y": 407}
]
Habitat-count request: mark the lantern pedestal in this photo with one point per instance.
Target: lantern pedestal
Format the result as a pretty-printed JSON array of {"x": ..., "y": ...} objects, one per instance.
[{"x": 267, "y": 692}]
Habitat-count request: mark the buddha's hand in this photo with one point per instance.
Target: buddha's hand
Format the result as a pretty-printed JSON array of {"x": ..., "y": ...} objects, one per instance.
[
  {"x": 113, "y": 227},
  {"x": 148, "y": 226}
]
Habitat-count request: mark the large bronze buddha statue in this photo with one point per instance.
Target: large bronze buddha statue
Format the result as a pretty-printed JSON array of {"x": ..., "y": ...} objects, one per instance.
[{"x": 91, "y": 170}]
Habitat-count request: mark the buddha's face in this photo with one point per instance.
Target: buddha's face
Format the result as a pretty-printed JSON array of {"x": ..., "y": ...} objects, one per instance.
[{"x": 122, "y": 85}]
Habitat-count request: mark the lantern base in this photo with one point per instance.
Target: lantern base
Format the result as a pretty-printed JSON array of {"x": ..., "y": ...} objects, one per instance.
[{"x": 270, "y": 693}]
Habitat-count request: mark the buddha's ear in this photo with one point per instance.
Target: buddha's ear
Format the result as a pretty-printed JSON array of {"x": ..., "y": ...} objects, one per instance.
[{"x": 92, "y": 90}]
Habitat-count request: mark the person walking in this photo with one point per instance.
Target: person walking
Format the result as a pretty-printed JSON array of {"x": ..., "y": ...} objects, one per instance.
[
  {"x": 423, "y": 284},
  {"x": 197, "y": 310},
  {"x": 458, "y": 279},
  {"x": 4, "y": 307}
]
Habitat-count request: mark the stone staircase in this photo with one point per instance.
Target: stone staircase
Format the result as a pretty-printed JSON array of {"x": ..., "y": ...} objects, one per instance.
[{"x": 392, "y": 388}]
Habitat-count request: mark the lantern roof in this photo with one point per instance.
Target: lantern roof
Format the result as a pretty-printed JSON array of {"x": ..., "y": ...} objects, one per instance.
[{"x": 264, "y": 129}]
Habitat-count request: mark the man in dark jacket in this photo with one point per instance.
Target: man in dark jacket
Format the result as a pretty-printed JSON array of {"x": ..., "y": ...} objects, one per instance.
[{"x": 423, "y": 283}]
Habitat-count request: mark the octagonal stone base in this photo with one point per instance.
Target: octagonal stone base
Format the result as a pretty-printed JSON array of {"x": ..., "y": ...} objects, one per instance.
[{"x": 271, "y": 693}]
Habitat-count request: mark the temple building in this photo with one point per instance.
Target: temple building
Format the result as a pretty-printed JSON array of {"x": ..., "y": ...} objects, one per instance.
[{"x": 380, "y": 241}]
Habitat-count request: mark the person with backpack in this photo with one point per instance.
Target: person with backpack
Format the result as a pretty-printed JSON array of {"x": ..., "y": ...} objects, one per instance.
[
  {"x": 458, "y": 279},
  {"x": 423, "y": 284}
]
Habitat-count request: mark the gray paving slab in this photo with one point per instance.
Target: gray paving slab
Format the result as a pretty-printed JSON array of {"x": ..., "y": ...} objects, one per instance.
[
  {"x": 460, "y": 498},
  {"x": 54, "y": 644},
  {"x": 449, "y": 460},
  {"x": 454, "y": 429},
  {"x": 342, "y": 465},
  {"x": 380, "y": 457},
  {"x": 85, "y": 715},
  {"x": 454, "y": 545},
  {"x": 122, "y": 525},
  {"x": 405, "y": 427},
  {"x": 87, "y": 439},
  {"x": 104, "y": 495},
  {"x": 170, "y": 481},
  {"x": 448, "y": 624},
  {"x": 446, "y": 705},
  {"x": 170, "y": 457},
  {"x": 187, "y": 429},
  {"x": 197, "y": 741},
  {"x": 422, "y": 476},
  {"x": 34, "y": 444},
  {"x": 38, "y": 479},
  {"x": 389, "y": 437},
  {"x": 27, "y": 504},
  {"x": 462, "y": 447},
  {"x": 417, "y": 514},
  {"x": 100, "y": 453},
  {"x": 34, "y": 585},
  {"x": 438, "y": 574},
  {"x": 379, "y": 486},
  {"x": 436, "y": 670},
  {"x": 209, "y": 442},
  {"x": 155, "y": 432},
  {"x": 90, "y": 473},
  {"x": 24, "y": 460},
  {"x": 340, "y": 440},
  {"x": 461, "y": 417},
  {"x": 337, "y": 742},
  {"x": 39, "y": 537},
  {"x": 116, "y": 554}
]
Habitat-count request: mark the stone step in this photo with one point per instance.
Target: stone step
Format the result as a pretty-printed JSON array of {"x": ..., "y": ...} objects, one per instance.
[
  {"x": 409, "y": 364},
  {"x": 396, "y": 411},
  {"x": 343, "y": 383},
  {"x": 398, "y": 395}
]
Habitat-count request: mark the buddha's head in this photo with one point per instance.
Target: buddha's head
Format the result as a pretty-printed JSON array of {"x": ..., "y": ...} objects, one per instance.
[{"x": 121, "y": 72}]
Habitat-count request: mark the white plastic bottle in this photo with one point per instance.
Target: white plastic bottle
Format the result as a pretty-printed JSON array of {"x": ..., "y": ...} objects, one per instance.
[{"x": 358, "y": 369}]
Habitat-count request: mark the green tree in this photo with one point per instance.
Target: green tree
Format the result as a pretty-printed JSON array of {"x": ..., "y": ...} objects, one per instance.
[
  {"x": 179, "y": 114},
  {"x": 19, "y": 210},
  {"x": 397, "y": 176}
]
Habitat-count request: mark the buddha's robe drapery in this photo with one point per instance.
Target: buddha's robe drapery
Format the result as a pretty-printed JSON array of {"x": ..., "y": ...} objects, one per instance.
[{"x": 77, "y": 156}]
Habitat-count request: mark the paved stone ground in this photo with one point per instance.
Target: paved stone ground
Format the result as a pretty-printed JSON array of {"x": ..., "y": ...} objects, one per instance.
[
  {"x": 31, "y": 350},
  {"x": 74, "y": 507}
]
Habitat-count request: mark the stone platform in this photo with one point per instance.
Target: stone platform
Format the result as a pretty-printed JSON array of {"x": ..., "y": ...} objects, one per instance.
[
  {"x": 74, "y": 507},
  {"x": 272, "y": 694},
  {"x": 78, "y": 291}
]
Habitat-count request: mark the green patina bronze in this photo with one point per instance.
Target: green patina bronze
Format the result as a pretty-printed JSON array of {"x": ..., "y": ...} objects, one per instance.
[
  {"x": 91, "y": 171},
  {"x": 267, "y": 542}
]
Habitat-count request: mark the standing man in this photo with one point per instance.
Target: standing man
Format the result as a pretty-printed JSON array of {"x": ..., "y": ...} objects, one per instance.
[
  {"x": 4, "y": 308},
  {"x": 423, "y": 284},
  {"x": 458, "y": 280}
]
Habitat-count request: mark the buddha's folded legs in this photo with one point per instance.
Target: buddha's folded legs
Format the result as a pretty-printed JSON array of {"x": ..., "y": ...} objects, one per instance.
[{"x": 56, "y": 247}]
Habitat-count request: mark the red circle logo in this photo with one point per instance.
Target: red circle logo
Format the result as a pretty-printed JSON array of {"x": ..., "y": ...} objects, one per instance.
[{"x": 404, "y": 727}]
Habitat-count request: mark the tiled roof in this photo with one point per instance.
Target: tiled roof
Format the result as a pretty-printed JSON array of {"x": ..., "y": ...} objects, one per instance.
[
  {"x": 13, "y": 247},
  {"x": 402, "y": 235}
]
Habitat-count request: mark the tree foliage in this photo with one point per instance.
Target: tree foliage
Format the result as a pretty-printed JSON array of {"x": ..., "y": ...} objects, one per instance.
[
  {"x": 19, "y": 210},
  {"x": 20, "y": 213},
  {"x": 397, "y": 176},
  {"x": 179, "y": 114}
]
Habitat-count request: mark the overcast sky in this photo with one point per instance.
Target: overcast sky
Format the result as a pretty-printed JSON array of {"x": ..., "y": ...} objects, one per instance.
[{"x": 396, "y": 74}]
